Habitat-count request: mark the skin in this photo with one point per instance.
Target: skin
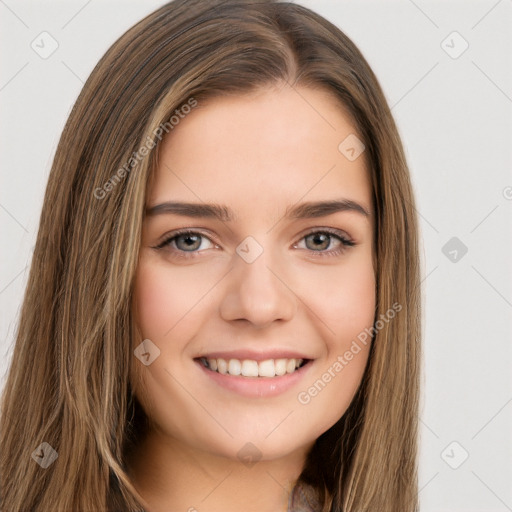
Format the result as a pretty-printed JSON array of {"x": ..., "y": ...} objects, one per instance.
[{"x": 258, "y": 154}]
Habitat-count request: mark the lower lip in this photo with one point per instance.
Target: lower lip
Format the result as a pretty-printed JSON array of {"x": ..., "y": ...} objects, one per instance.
[{"x": 257, "y": 387}]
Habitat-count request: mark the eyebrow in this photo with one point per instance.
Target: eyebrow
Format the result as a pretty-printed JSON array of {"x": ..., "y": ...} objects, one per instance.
[{"x": 308, "y": 210}]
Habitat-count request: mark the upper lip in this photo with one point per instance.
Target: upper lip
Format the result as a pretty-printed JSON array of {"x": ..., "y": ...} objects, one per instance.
[{"x": 256, "y": 355}]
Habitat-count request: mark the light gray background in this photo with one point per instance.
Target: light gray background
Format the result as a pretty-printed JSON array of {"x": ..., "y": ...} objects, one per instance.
[{"x": 454, "y": 115}]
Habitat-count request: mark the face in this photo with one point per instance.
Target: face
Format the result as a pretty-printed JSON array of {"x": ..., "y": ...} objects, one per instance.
[{"x": 252, "y": 313}]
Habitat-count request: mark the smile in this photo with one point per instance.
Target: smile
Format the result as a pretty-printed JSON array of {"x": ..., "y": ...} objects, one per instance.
[{"x": 268, "y": 368}]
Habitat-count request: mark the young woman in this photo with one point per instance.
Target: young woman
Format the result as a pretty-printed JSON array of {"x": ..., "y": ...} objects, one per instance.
[{"x": 223, "y": 307}]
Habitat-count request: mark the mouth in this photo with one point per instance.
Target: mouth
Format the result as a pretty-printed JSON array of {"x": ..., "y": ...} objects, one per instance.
[
  {"x": 251, "y": 374},
  {"x": 250, "y": 368}
]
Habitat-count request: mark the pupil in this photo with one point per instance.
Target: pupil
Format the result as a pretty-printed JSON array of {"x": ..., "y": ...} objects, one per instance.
[
  {"x": 317, "y": 237},
  {"x": 190, "y": 242}
]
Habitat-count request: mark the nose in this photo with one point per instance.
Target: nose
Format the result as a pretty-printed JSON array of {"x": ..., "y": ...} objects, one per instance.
[{"x": 257, "y": 293}]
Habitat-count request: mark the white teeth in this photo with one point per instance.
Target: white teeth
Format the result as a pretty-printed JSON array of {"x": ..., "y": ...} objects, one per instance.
[
  {"x": 266, "y": 368},
  {"x": 249, "y": 368},
  {"x": 222, "y": 366},
  {"x": 290, "y": 365},
  {"x": 280, "y": 365},
  {"x": 234, "y": 367},
  {"x": 252, "y": 368}
]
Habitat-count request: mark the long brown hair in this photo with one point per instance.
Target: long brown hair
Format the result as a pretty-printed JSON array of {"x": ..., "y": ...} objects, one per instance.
[{"x": 69, "y": 380}]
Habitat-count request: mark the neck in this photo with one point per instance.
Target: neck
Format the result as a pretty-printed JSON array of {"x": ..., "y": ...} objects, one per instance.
[{"x": 172, "y": 476}]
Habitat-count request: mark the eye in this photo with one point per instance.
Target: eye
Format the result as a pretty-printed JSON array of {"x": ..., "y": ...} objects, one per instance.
[
  {"x": 319, "y": 241},
  {"x": 185, "y": 241}
]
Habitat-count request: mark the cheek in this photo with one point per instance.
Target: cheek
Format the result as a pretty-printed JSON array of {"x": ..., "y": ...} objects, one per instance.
[
  {"x": 156, "y": 302},
  {"x": 343, "y": 299},
  {"x": 353, "y": 306},
  {"x": 168, "y": 311},
  {"x": 164, "y": 296},
  {"x": 345, "y": 303}
]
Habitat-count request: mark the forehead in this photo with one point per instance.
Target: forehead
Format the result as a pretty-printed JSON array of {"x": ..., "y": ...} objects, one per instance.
[{"x": 261, "y": 152}]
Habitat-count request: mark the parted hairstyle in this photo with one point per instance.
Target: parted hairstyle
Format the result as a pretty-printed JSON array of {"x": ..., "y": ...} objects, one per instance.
[{"x": 69, "y": 380}]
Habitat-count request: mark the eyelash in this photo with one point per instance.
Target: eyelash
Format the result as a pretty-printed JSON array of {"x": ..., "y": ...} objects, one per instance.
[{"x": 345, "y": 243}]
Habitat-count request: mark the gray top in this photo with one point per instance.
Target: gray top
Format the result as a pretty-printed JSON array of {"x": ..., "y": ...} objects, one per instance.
[{"x": 304, "y": 498}]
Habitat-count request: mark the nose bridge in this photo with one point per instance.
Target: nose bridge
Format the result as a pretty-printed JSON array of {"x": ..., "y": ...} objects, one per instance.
[{"x": 255, "y": 293}]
